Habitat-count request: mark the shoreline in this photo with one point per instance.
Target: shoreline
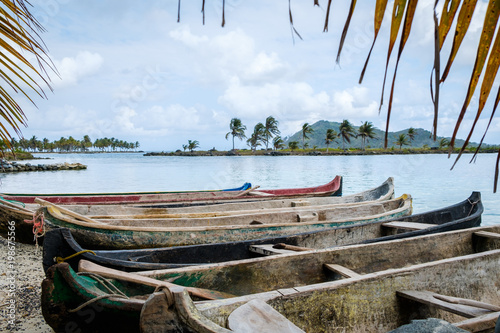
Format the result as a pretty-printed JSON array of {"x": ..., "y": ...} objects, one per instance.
[
  {"x": 28, "y": 275},
  {"x": 320, "y": 152}
]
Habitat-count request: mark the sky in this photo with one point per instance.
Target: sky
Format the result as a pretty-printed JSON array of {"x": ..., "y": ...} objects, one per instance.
[{"x": 128, "y": 70}]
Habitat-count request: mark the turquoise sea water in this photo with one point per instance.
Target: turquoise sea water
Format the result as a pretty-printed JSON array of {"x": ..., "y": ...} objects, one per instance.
[{"x": 427, "y": 178}]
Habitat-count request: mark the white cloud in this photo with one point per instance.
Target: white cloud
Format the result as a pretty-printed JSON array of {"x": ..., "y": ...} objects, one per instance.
[
  {"x": 184, "y": 35},
  {"x": 73, "y": 69},
  {"x": 354, "y": 104},
  {"x": 284, "y": 99}
]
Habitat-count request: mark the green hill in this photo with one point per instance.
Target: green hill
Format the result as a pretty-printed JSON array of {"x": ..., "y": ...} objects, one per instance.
[{"x": 422, "y": 137}]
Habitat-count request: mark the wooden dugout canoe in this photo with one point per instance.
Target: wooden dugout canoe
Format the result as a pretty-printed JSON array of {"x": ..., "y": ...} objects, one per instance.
[
  {"x": 461, "y": 263},
  {"x": 465, "y": 214},
  {"x": 21, "y": 213},
  {"x": 333, "y": 187},
  {"x": 138, "y": 234},
  {"x": 384, "y": 191}
]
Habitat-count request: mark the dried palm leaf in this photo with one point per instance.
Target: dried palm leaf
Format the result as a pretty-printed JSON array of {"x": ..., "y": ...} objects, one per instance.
[
  {"x": 489, "y": 28},
  {"x": 346, "y": 27},
  {"x": 380, "y": 7},
  {"x": 463, "y": 23},
  {"x": 397, "y": 17},
  {"x": 410, "y": 13}
]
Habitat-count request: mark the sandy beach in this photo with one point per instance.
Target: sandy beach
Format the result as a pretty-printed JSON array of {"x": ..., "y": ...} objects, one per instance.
[{"x": 24, "y": 269}]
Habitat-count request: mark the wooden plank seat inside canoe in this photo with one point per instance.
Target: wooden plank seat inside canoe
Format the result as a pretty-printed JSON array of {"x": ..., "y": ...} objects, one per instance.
[
  {"x": 461, "y": 306},
  {"x": 487, "y": 234},
  {"x": 343, "y": 271},
  {"x": 407, "y": 225},
  {"x": 268, "y": 250},
  {"x": 280, "y": 248},
  {"x": 481, "y": 316}
]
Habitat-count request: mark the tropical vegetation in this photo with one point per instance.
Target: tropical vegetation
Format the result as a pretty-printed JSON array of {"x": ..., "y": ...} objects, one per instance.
[
  {"x": 411, "y": 134},
  {"x": 346, "y": 131},
  {"x": 293, "y": 145},
  {"x": 278, "y": 143},
  {"x": 306, "y": 130},
  {"x": 331, "y": 135},
  {"x": 192, "y": 145},
  {"x": 255, "y": 139},
  {"x": 402, "y": 140},
  {"x": 237, "y": 129},
  {"x": 366, "y": 131},
  {"x": 270, "y": 129}
]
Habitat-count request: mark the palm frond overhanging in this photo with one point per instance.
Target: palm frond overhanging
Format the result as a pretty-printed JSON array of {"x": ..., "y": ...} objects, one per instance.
[{"x": 19, "y": 37}]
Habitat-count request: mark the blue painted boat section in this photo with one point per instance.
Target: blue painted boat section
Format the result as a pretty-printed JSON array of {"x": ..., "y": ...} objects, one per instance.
[{"x": 244, "y": 187}]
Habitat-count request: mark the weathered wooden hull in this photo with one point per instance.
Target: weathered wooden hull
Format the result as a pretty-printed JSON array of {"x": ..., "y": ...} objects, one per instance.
[
  {"x": 60, "y": 242},
  {"x": 20, "y": 216},
  {"x": 461, "y": 263},
  {"x": 104, "y": 236},
  {"x": 370, "y": 303},
  {"x": 334, "y": 187}
]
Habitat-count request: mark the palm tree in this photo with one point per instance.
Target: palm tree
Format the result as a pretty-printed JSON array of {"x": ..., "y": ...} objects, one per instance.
[
  {"x": 346, "y": 132},
  {"x": 443, "y": 143},
  {"x": 331, "y": 135},
  {"x": 20, "y": 40},
  {"x": 270, "y": 129},
  {"x": 293, "y": 145},
  {"x": 366, "y": 131},
  {"x": 257, "y": 136},
  {"x": 278, "y": 143},
  {"x": 87, "y": 143},
  {"x": 192, "y": 145},
  {"x": 306, "y": 129},
  {"x": 401, "y": 141},
  {"x": 411, "y": 134},
  {"x": 33, "y": 143},
  {"x": 237, "y": 129}
]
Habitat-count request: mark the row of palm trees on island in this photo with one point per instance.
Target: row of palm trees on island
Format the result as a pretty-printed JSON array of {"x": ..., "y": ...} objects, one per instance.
[
  {"x": 268, "y": 133},
  {"x": 71, "y": 144}
]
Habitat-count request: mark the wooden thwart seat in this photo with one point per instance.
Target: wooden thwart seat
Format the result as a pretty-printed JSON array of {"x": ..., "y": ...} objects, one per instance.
[
  {"x": 258, "y": 316},
  {"x": 460, "y": 306},
  {"x": 487, "y": 234},
  {"x": 280, "y": 248},
  {"x": 268, "y": 250},
  {"x": 344, "y": 271},
  {"x": 482, "y": 316},
  {"x": 408, "y": 225}
]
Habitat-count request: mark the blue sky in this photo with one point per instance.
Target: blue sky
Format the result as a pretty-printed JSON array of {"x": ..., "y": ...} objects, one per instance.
[{"x": 129, "y": 70}]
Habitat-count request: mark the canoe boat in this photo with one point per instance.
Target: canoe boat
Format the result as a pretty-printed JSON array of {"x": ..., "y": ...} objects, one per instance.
[
  {"x": 23, "y": 214},
  {"x": 334, "y": 187},
  {"x": 353, "y": 288},
  {"x": 130, "y": 234},
  {"x": 384, "y": 191},
  {"x": 59, "y": 243}
]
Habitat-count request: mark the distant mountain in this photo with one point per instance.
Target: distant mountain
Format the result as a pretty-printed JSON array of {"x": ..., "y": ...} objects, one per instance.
[{"x": 422, "y": 137}]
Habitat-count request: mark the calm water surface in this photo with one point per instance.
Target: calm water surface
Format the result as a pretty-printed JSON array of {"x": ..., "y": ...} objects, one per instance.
[{"x": 427, "y": 178}]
